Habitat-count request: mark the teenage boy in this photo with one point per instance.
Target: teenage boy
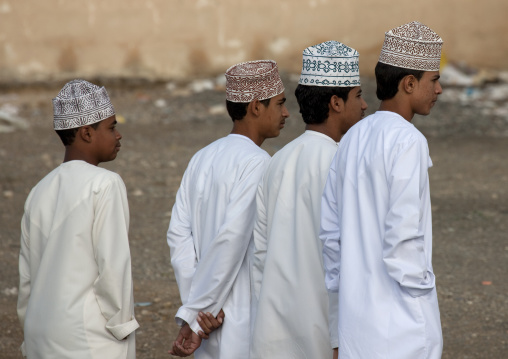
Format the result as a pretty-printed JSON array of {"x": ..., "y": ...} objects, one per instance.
[
  {"x": 75, "y": 293},
  {"x": 376, "y": 214},
  {"x": 214, "y": 213},
  {"x": 292, "y": 316}
]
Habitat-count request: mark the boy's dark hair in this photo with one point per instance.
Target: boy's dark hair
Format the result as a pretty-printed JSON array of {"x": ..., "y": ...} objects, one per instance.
[
  {"x": 238, "y": 110},
  {"x": 314, "y": 100},
  {"x": 388, "y": 78},
  {"x": 68, "y": 136}
]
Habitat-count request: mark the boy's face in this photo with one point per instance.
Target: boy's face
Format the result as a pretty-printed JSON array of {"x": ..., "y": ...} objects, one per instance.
[
  {"x": 107, "y": 140},
  {"x": 426, "y": 92},
  {"x": 273, "y": 117},
  {"x": 354, "y": 108}
]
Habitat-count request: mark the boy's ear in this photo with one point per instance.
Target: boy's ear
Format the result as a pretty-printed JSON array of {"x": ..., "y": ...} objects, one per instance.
[
  {"x": 254, "y": 107},
  {"x": 85, "y": 133},
  {"x": 336, "y": 104},
  {"x": 408, "y": 83}
]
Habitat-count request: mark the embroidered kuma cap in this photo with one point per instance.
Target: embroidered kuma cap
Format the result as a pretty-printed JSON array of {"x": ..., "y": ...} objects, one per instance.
[
  {"x": 253, "y": 80},
  {"x": 80, "y": 103},
  {"x": 412, "y": 46},
  {"x": 330, "y": 63}
]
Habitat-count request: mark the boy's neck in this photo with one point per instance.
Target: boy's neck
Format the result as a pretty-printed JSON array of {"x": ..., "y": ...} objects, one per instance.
[
  {"x": 325, "y": 129},
  {"x": 397, "y": 106},
  {"x": 74, "y": 154},
  {"x": 245, "y": 128}
]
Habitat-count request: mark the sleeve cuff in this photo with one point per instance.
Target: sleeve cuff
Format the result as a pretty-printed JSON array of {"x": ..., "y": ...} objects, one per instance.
[
  {"x": 121, "y": 331},
  {"x": 333, "y": 318},
  {"x": 184, "y": 315},
  {"x": 416, "y": 292},
  {"x": 423, "y": 288}
]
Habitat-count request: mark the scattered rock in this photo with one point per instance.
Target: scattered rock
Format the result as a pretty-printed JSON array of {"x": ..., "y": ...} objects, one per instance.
[
  {"x": 217, "y": 110},
  {"x": 198, "y": 86},
  {"x": 137, "y": 192},
  {"x": 10, "y": 291},
  {"x": 160, "y": 103},
  {"x": 8, "y": 194},
  {"x": 9, "y": 122}
]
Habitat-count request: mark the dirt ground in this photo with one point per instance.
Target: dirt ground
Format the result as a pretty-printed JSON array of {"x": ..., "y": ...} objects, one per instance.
[{"x": 164, "y": 127}]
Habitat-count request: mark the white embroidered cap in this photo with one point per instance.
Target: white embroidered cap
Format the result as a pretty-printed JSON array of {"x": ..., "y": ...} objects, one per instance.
[
  {"x": 80, "y": 103},
  {"x": 253, "y": 80},
  {"x": 330, "y": 63},
  {"x": 412, "y": 46}
]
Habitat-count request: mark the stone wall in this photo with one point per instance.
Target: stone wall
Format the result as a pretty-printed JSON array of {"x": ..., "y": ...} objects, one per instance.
[{"x": 178, "y": 39}]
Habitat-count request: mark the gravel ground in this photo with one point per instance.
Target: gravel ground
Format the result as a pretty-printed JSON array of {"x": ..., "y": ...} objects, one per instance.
[{"x": 165, "y": 124}]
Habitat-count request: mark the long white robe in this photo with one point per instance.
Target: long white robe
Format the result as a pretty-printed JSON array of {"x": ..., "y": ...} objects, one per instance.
[
  {"x": 209, "y": 235},
  {"x": 377, "y": 231},
  {"x": 288, "y": 276},
  {"x": 75, "y": 293}
]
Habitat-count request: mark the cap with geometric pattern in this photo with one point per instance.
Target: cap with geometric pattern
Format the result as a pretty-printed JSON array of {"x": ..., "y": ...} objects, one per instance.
[
  {"x": 330, "y": 63},
  {"x": 412, "y": 46},
  {"x": 80, "y": 103},
  {"x": 253, "y": 80}
]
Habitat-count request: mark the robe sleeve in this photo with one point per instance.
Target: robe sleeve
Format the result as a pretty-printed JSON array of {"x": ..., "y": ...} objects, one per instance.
[
  {"x": 24, "y": 276},
  {"x": 403, "y": 246},
  {"x": 218, "y": 267},
  {"x": 260, "y": 240},
  {"x": 330, "y": 230},
  {"x": 113, "y": 288},
  {"x": 181, "y": 242}
]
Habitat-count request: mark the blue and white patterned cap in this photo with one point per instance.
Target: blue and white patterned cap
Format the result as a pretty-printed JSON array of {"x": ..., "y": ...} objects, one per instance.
[
  {"x": 80, "y": 103},
  {"x": 330, "y": 64}
]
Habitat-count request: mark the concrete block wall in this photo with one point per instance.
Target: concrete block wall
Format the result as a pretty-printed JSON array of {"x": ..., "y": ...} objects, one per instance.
[{"x": 179, "y": 39}]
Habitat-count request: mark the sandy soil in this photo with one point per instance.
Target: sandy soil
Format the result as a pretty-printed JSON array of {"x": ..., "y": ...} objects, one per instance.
[{"x": 163, "y": 129}]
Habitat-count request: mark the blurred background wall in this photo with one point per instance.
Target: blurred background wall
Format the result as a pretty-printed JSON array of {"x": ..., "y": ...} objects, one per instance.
[{"x": 179, "y": 39}]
